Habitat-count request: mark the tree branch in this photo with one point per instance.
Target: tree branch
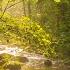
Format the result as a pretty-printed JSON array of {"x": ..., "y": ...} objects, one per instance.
[
  {"x": 13, "y": 4},
  {"x": 5, "y": 9},
  {"x": 8, "y": 8}
]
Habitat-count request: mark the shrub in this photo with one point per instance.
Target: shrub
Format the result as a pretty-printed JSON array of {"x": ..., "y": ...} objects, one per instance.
[{"x": 27, "y": 34}]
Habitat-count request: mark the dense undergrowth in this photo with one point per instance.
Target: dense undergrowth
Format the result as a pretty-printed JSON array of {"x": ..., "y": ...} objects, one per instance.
[
  {"x": 26, "y": 34},
  {"x": 30, "y": 36}
]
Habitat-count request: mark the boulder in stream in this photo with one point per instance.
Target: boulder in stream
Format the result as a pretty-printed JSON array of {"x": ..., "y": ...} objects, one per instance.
[
  {"x": 22, "y": 59},
  {"x": 48, "y": 63}
]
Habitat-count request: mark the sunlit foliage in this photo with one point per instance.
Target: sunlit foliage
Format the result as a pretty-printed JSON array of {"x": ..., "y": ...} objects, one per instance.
[
  {"x": 57, "y": 0},
  {"x": 26, "y": 34}
]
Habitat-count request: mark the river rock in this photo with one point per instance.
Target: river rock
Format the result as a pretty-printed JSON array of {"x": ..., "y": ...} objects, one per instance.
[
  {"x": 22, "y": 59},
  {"x": 48, "y": 63}
]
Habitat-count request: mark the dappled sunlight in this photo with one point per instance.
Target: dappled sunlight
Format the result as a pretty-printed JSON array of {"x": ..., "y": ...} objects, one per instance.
[{"x": 57, "y": 0}]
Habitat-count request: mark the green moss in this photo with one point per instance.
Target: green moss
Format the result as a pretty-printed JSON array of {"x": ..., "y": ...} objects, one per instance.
[{"x": 13, "y": 65}]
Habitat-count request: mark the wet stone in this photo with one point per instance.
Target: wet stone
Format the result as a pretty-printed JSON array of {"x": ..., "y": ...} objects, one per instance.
[
  {"x": 22, "y": 59},
  {"x": 48, "y": 63}
]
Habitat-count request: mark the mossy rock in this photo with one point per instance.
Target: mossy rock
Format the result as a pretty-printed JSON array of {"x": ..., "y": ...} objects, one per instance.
[
  {"x": 2, "y": 61},
  {"x": 13, "y": 65},
  {"x": 4, "y": 58}
]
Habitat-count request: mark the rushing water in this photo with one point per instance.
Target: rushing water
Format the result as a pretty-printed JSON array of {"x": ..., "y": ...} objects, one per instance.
[{"x": 35, "y": 61}]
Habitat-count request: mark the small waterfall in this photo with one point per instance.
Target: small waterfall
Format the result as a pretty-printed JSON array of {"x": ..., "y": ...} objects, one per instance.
[
  {"x": 33, "y": 59},
  {"x": 10, "y": 50},
  {"x": 15, "y": 51}
]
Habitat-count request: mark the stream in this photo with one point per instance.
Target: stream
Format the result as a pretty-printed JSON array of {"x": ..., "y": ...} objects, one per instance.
[{"x": 33, "y": 61}]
